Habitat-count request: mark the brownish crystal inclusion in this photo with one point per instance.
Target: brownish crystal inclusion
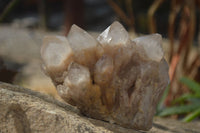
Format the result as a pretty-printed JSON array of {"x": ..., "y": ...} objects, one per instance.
[{"x": 112, "y": 78}]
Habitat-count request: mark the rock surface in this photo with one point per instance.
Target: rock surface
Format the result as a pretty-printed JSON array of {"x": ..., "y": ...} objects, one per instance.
[
  {"x": 111, "y": 78},
  {"x": 25, "y": 111}
]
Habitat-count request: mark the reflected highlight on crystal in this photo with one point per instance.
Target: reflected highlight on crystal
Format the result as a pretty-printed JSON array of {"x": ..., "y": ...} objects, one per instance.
[{"x": 112, "y": 78}]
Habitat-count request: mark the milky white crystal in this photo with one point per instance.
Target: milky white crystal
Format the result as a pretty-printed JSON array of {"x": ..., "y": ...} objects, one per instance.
[
  {"x": 77, "y": 77},
  {"x": 152, "y": 45},
  {"x": 56, "y": 53},
  {"x": 83, "y": 45},
  {"x": 112, "y": 78}
]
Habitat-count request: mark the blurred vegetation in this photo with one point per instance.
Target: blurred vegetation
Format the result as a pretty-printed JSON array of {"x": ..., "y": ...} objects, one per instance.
[
  {"x": 182, "y": 20},
  {"x": 8, "y": 8},
  {"x": 178, "y": 20},
  {"x": 188, "y": 103}
]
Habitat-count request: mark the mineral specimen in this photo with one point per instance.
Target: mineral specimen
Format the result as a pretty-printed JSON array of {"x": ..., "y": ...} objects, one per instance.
[{"x": 112, "y": 78}]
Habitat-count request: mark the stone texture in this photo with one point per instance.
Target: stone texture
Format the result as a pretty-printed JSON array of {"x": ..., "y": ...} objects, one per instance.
[
  {"x": 28, "y": 44},
  {"x": 113, "y": 78},
  {"x": 23, "y": 110},
  {"x": 165, "y": 125}
]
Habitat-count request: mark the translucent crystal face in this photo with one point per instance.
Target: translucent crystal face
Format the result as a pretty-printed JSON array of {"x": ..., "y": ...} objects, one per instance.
[
  {"x": 83, "y": 45},
  {"x": 115, "y": 34},
  {"x": 152, "y": 45},
  {"x": 56, "y": 51},
  {"x": 80, "y": 39},
  {"x": 77, "y": 76},
  {"x": 103, "y": 70},
  {"x": 111, "y": 78}
]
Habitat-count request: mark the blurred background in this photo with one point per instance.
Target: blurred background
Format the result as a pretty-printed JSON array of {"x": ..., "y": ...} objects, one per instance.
[{"x": 23, "y": 24}]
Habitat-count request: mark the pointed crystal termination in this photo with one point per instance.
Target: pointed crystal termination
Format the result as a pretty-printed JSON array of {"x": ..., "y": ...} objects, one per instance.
[
  {"x": 56, "y": 54},
  {"x": 83, "y": 45},
  {"x": 77, "y": 80},
  {"x": 116, "y": 37},
  {"x": 111, "y": 78},
  {"x": 152, "y": 46},
  {"x": 115, "y": 34}
]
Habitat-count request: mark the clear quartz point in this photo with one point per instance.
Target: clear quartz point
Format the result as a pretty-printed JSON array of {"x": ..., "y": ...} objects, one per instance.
[{"x": 111, "y": 78}]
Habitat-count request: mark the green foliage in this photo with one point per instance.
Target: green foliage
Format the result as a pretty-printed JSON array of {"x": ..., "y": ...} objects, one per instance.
[
  {"x": 192, "y": 115},
  {"x": 8, "y": 9},
  {"x": 192, "y": 85},
  {"x": 188, "y": 103},
  {"x": 182, "y": 109}
]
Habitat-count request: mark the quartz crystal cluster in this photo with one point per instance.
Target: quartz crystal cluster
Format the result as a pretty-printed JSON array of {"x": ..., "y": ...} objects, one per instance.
[{"x": 111, "y": 78}]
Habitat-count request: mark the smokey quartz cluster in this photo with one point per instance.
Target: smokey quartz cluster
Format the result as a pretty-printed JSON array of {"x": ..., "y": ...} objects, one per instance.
[{"x": 111, "y": 78}]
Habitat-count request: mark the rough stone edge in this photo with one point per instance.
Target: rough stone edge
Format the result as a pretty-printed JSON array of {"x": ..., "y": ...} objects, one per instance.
[
  {"x": 68, "y": 108},
  {"x": 160, "y": 125},
  {"x": 44, "y": 97}
]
